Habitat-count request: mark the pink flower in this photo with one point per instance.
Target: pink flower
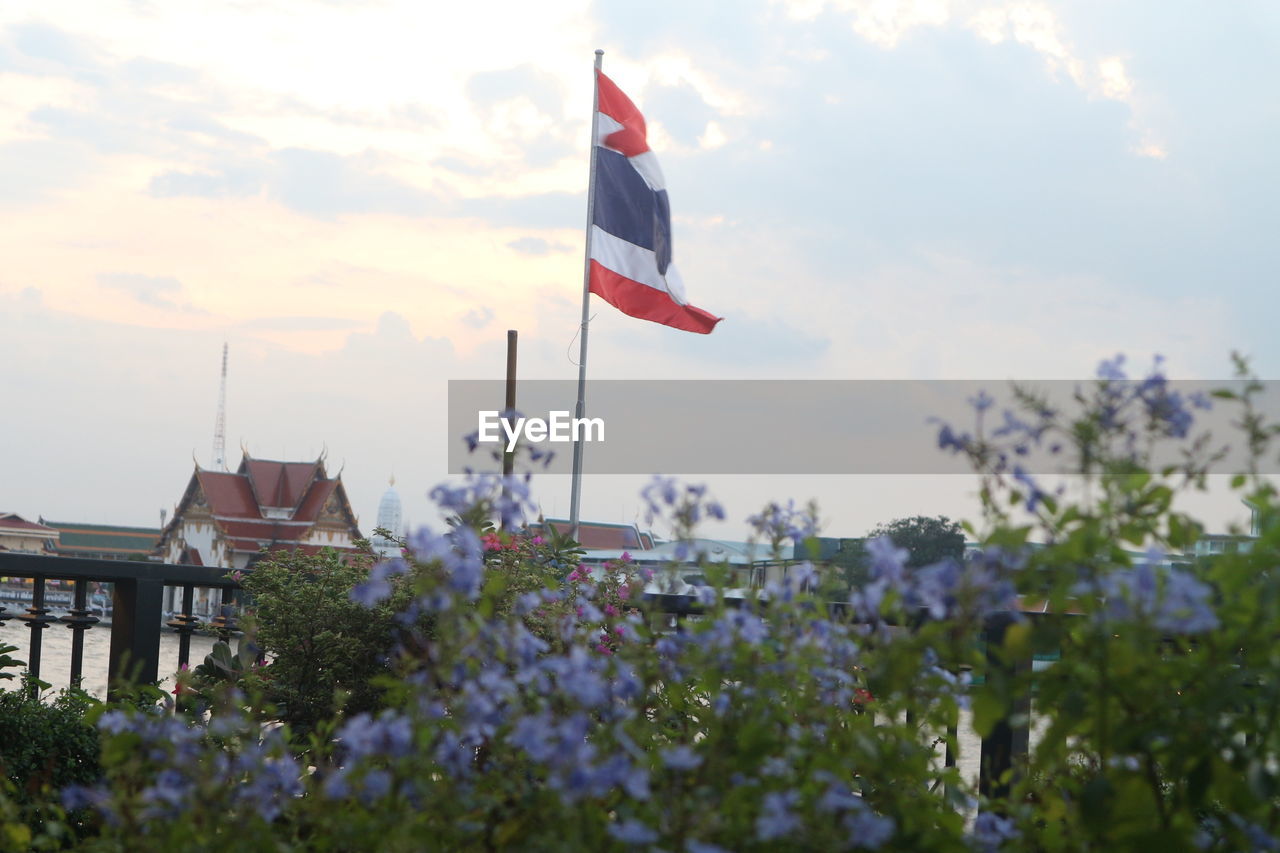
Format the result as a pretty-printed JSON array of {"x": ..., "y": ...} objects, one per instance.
[
  {"x": 624, "y": 591},
  {"x": 603, "y": 649},
  {"x": 618, "y": 630},
  {"x": 574, "y": 576},
  {"x": 610, "y": 610},
  {"x": 537, "y": 540},
  {"x": 626, "y": 557}
]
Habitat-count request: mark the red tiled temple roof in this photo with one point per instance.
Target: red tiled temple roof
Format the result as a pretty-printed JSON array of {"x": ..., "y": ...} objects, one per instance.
[
  {"x": 228, "y": 494},
  {"x": 596, "y": 534},
  {"x": 13, "y": 521},
  {"x": 280, "y": 484},
  {"x": 310, "y": 508}
]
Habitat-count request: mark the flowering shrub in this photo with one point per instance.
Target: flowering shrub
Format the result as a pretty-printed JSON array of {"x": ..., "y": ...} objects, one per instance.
[{"x": 538, "y": 704}]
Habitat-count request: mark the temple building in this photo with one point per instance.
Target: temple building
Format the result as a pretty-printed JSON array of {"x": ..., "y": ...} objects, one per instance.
[
  {"x": 18, "y": 534},
  {"x": 102, "y": 541},
  {"x": 230, "y": 518}
]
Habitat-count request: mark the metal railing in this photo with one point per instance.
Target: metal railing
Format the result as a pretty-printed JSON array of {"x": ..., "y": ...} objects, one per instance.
[{"x": 137, "y": 610}]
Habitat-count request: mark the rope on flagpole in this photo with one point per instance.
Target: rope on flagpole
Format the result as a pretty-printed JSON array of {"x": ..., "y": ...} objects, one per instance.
[
  {"x": 568, "y": 351},
  {"x": 575, "y": 488}
]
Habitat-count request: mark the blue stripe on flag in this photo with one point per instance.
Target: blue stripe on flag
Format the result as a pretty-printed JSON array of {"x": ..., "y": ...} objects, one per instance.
[{"x": 627, "y": 208}]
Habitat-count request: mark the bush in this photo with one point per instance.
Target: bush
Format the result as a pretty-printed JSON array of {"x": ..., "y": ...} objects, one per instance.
[
  {"x": 45, "y": 746},
  {"x": 574, "y": 716},
  {"x": 325, "y": 651}
]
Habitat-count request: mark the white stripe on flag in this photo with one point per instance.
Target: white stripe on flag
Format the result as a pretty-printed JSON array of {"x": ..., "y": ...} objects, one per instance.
[
  {"x": 636, "y": 263},
  {"x": 646, "y": 164}
]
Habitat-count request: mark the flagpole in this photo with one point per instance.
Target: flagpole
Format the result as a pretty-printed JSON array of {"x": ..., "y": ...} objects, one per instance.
[{"x": 575, "y": 489}]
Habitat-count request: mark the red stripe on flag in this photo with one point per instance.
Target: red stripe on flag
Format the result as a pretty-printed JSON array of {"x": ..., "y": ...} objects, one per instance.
[
  {"x": 648, "y": 303},
  {"x": 629, "y": 141}
]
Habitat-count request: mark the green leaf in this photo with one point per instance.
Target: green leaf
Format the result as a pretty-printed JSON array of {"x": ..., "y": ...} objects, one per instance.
[
  {"x": 1095, "y": 801},
  {"x": 1198, "y": 780},
  {"x": 988, "y": 709}
]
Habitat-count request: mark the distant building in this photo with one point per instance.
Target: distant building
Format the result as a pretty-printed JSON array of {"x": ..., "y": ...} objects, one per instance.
[
  {"x": 1215, "y": 544},
  {"x": 600, "y": 534},
  {"x": 229, "y": 518},
  {"x": 102, "y": 541},
  {"x": 389, "y": 519},
  {"x": 28, "y": 537}
]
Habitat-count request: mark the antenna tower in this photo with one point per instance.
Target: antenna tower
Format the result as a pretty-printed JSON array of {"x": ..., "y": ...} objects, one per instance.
[{"x": 220, "y": 428}]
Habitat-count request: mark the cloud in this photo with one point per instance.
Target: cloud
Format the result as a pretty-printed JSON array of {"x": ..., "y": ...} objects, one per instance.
[
  {"x": 155, "y": 291},
  {"x": 525, "y": 82},
  {"x": 538, "y": 210},
  {"x": 34, "y": 170},
  {"x": 463, "y": 166},
  {"x": 327, "y": 185},
  {"x": 1032, "y": 24},
  {"x": 743, "y": 340},
  {"x": 523, "y": 110},
  {"x": 478, "y": 318},
  {"x": 49, "y": 49},
  {"x": 300, "y": 324},
  {"x": 411, "y": 115},
  {"x": 316, "y": 183},
  {"x": 680, "y": 108},
  {"x": 233, "y": 182},
  {"x": 537, "y": 246}
]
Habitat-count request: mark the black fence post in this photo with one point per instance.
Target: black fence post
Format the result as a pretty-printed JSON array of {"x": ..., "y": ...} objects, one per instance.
[
  {"x": 79, "y": 620},
  {"x": 37, "y": 618},
  {"x": 1004, "y": 749},
  {"x": 135, "y": 633},
  {"x": 184, "y": 623}
]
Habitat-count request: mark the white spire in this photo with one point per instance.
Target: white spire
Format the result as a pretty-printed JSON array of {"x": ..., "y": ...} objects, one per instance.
[
  {"x": 389, "y": 512},
  {"x": 220, "y": 426}
]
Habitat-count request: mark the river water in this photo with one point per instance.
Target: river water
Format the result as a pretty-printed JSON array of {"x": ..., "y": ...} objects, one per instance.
[{"x": 55, "y": 654}]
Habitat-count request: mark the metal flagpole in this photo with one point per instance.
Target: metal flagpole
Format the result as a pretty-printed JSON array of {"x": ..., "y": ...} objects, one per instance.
[{"x": 575, "y": 489}]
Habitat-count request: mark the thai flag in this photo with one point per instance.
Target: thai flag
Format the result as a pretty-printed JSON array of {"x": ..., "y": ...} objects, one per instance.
[{"x": 631, "y": 222}]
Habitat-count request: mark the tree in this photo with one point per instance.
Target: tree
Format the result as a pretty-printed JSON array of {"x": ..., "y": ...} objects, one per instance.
[{"x": 928, "y": 540}]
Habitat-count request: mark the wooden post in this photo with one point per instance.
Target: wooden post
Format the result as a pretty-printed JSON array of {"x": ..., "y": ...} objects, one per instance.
[{"x": 508, "y": 457}]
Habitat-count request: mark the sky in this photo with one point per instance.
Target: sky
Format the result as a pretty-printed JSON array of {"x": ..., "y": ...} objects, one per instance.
[{"x": 360, "y": 198}]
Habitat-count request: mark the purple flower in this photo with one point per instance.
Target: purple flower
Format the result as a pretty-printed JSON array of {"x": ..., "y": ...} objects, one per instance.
[
  {"x": 1171, "y": 599},
  {"x": 776, "y": 820},
  {"x": 632, "y": 831},
  {"x": 777, "y": 522},
  {"x": 1034, "y": 493},
  {"x": 703, "y": 847},
  {"x": 991, "y": 831},
  {"x": 335, "y": 785},
  {"x": 390, "y": 734},
  {"x": 868, "y": 829},
  {"x": 681, "y": 757},
  {"x": 949, "y": 440},
  {"x": 377, "y": 588},
  {"x": 1186, "y": 607},
  {"x": 1113, "y": 369},
  {"x": 375, "y": 785}
]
